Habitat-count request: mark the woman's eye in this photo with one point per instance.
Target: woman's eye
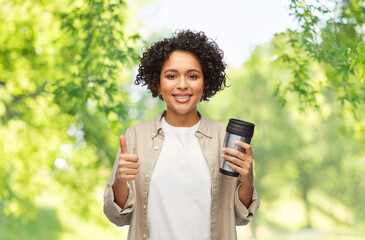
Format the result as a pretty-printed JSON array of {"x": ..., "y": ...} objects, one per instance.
[
  {"x": 171, "y": 76},
  {"x": 193, "y": 76}
]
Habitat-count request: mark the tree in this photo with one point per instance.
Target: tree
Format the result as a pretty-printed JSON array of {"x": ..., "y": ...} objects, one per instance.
[
  {"x": 330, "y": 33},
  {"x": 64, "y": 66}
]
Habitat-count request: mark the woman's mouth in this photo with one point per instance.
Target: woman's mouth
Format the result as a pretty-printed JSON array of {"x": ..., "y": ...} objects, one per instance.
[{"x": 182, "y": 97}]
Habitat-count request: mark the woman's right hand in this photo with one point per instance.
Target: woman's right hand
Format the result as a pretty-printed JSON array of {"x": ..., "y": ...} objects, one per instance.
[{"x": 128, "y": 163}]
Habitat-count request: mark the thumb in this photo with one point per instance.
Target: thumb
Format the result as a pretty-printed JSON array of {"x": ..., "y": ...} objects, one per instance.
[{"x": 123, "y": 144}]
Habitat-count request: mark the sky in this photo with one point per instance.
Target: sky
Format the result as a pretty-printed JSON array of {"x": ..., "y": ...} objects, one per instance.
[{"x": 236, "y": 25}]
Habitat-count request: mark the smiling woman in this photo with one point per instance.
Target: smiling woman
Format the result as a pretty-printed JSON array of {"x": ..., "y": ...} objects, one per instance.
[
  {"x": 206, "y": 51},
  {"x": 181, "y": 86},
  {"x": 165, "y": 182}
]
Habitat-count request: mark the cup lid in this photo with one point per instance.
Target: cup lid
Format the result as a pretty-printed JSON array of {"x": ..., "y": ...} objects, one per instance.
[{"x": 240, "y": 128}]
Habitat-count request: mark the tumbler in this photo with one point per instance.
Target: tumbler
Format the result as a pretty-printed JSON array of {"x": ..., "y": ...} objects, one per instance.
[{"x": 237, "y": 130}]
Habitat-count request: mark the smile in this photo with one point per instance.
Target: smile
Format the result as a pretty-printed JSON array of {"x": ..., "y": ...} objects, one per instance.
[{"x": 182, "y": 98}]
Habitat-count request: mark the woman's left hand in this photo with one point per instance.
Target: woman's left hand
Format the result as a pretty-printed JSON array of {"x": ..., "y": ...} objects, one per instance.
[{"x": 243, "y": 161}]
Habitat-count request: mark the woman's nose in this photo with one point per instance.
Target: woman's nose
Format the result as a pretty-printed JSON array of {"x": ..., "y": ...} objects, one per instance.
[{"x": 182, "y": 83}]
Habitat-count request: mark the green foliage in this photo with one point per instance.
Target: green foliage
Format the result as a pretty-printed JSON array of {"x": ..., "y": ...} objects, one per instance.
[
  {"x": 98, "y": 50},
  {"x": 64, "y": 67},
  {"x": 332, "y": 34}
]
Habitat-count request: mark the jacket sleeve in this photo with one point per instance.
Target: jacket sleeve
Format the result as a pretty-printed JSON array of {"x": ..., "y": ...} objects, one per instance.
[
  {"x": 112, "y": 211},
  {"x": 244, "y": 215}
]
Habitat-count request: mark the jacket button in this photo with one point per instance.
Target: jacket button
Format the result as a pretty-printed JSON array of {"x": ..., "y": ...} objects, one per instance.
[
  {"x": 156, "y": 147},
  {"x": 144, "y": 236}
]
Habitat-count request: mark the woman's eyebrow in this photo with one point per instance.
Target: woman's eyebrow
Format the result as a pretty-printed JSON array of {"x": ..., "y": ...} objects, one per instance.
[
  {"x": 193, "y": 70},
  {"x": 170, "y": 70},
  {"x": 174, "y": 70}
]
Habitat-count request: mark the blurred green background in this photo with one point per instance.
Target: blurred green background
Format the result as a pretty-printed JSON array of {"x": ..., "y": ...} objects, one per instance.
[{"x": 66, "y": 94}]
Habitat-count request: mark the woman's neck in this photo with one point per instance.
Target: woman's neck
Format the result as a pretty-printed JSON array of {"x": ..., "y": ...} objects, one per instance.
[{"x": 182, "y": 120}]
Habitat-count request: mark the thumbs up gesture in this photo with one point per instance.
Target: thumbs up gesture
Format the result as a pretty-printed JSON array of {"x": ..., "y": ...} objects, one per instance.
[{"x": 128, "y": 163}]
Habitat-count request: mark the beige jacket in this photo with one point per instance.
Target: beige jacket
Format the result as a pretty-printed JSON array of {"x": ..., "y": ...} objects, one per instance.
[{"x": 145, "y": 139}]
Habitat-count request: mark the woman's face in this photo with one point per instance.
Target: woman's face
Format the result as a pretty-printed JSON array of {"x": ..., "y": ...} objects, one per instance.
[{"x": 181, "y": 83}]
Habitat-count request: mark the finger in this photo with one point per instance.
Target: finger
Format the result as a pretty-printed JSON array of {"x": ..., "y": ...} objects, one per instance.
[
  {"x": 123, "y": 144},
  {"x": 231, "y": 159},
  {"x": 234, "y": 152},
  {"x": 128, "y": 171},
  {"x": 237, "y": 161},
  {"x": 126, "y": 164},
  {"x": 245, "y": 146},
  {"x": 128, "y": 157},
  {"x": 239, "y": 169},
  {"x": 234, "y": 167}
]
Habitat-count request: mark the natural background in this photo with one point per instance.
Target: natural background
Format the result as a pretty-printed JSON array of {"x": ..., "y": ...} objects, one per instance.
[{"x": 66, "y": 94}]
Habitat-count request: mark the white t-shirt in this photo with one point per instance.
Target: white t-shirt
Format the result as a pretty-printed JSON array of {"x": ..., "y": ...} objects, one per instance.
[{"x": 179, "y": 195}]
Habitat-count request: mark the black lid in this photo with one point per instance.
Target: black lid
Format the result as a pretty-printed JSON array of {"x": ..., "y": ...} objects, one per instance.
[{"x": 240, "y": 128}]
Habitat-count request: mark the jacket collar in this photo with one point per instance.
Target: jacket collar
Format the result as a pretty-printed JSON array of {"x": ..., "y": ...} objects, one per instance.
[{"x": 205, "y": 127}]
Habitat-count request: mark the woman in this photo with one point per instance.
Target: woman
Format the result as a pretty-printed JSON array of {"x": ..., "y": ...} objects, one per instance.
[{"x": 165, "y": 181}]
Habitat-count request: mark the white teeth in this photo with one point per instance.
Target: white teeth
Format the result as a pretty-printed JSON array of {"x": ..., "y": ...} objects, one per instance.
[{"x": 182, "y": 96}]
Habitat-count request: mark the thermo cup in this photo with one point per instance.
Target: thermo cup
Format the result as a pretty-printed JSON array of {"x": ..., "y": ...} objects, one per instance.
[{"x": 237, "y": 130}]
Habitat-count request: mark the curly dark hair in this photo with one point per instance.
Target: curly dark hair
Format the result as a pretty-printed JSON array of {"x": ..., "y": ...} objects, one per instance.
[{"x": 206, "y": 50}]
